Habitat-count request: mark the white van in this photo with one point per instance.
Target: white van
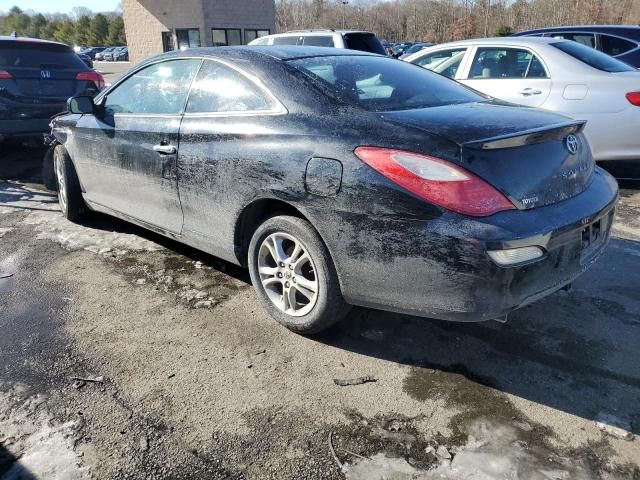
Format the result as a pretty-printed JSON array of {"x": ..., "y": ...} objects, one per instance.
[{"x": 352, "y": 39}]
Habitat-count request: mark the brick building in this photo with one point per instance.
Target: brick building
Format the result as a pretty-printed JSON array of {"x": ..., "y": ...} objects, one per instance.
[{"x": 156, "y": 26}]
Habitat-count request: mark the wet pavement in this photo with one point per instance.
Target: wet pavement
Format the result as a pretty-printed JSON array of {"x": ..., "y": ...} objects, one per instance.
[{"x": 196, "y": 381}]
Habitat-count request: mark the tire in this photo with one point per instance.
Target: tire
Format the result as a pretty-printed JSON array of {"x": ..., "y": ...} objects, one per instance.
[
  {"x": 303, "y": 310},
  {"x": 69, "y": 193},
  {"x": 48, "y": 171}
]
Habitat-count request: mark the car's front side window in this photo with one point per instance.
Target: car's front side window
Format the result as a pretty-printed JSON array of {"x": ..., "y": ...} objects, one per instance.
[
  {"x": 161, "y": 88},
  {"x": 500, "y": 62},
  {"x": 444, "y": 62},
  {"x": 218, "y": 88}
]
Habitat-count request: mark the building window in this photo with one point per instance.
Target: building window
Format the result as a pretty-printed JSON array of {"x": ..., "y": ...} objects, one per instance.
[
  {"x": 226, "y": 37},
  {"x": 188, "y": 38},
  {"x": 250, "y": 35},
  {"x": 167, "y": 42}
]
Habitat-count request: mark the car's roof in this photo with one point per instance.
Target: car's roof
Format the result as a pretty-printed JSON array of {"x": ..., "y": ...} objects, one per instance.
[
  {"x": 30, "y": 40},
  {"x": 586, "y": 28},
  {"x": 279, "y": 52},
  {"x": 319, "y": 31},
  {"x": 523, "y": 41}
]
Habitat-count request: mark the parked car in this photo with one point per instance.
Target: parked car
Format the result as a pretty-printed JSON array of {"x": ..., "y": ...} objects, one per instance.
[
  {"x": 36, "y": 79},
  {"x": 120, "y": 55},
  {"x": 399, "y": 48},
  {"x": 351, "y": 39},
  {"x": 341, "y": 178},
  {"x": 86, "y": 59},
  {"x": 620, "y": 41},
  {"x": 559, "y": 75},
  {"x": 416, "y": 47},
  {"x": 91, "y": 52},
  {"x": 100, "y": 56}
]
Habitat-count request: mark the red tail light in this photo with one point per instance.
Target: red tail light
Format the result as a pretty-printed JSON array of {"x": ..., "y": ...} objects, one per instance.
[
  {"x": 5, "y": 75},
  {"x": 92, "y": 76},
  {"x": 436, "y": 181},
  {"x": 634, "y": 98}
]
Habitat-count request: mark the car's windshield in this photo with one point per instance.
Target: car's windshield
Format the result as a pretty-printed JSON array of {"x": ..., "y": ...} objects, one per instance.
[
  {"x": 383, "y": 84},
  {"x": 592, "y": 57}
]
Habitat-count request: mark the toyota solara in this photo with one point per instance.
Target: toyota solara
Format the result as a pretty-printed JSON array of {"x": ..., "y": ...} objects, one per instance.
[{"x": 341, "y": 178}]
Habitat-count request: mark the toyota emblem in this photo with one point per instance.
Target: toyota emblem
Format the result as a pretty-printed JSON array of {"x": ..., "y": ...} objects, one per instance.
[{"x": 571, "y": 142}]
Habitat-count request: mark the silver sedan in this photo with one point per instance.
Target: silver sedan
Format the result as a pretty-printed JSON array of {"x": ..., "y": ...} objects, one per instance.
[{"x": 555, "y": 74}]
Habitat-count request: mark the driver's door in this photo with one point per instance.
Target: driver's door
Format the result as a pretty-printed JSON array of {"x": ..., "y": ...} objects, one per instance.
[{"x": 129, "y": 149}]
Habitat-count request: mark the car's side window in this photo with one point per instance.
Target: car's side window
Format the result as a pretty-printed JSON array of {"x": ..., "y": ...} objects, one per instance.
[
  {"x": 444, "y": 62},
  {"x": 287, "y": 40},
  {"x": 498, "y": 62},
  {"x": 318, "y": 41},
  {"x": 161, "y": 88},
  {"x": 615, "y": 45},
  {"x": 218, "y": 88},
  {"x": 588, "y": 39}
]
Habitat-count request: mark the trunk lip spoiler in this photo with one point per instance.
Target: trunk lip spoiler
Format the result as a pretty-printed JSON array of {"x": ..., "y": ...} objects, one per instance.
[{"x": 527, "y": 137}]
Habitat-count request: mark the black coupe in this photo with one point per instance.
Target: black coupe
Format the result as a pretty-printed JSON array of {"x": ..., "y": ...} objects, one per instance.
[{"x": 341, "y": 178}]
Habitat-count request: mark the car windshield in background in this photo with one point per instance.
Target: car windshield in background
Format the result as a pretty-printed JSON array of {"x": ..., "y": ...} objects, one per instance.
[
  {"x": 382, "y": 84},
  {"x": 365, "y": 42},
  {"x": 18, "y": 54},
  {"x": 593, "y": 58}
]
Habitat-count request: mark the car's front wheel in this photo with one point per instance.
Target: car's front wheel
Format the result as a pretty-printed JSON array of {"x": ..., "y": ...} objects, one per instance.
[
  {"x": 294, "y": 276},
  {"x": 70, "y": 198}
]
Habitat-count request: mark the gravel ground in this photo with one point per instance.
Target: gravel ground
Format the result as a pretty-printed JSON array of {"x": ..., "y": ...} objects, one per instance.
[{"x": 126, "y": 355}]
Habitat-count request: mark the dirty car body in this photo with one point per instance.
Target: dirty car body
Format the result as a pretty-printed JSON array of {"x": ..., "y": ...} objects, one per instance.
[{"x": 334, "y": 138}]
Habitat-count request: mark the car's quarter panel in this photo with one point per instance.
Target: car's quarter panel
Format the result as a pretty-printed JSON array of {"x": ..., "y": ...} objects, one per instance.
[{"x": 225, "y": 163}]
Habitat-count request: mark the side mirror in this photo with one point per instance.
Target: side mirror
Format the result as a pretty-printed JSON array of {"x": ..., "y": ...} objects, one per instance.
[{"x": 83, "y": 104}]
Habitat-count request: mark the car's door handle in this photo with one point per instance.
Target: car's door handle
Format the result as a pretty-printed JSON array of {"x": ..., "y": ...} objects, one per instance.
[
  {"x": 530, "y": 91},
  {"x": 165, "y": 149}
]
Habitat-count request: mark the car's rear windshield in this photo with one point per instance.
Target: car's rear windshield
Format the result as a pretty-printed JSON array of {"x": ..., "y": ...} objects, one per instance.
[
  {"x": 16, "y": 54},
  {"x": 383, "y": 84},
  {"x": 592, "y": 57},
  {"x": 365, "y": 42}
]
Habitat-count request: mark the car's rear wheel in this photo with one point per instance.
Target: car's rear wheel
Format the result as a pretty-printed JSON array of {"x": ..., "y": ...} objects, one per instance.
[
  {"x": 294, "y": 276},
  {"x": 69, "y": 192}
]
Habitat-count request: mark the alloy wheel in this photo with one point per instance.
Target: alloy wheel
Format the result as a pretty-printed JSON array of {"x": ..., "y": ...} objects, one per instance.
[{"x": 288, "y": 274}]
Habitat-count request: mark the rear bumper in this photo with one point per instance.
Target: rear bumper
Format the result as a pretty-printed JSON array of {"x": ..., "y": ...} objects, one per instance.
[
  {"x": 21, "y": 119},
  {"x": 440, "y": 268}
]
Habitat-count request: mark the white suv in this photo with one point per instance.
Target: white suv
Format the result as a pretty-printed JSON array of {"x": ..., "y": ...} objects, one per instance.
[{"x": 352, "y": 39}]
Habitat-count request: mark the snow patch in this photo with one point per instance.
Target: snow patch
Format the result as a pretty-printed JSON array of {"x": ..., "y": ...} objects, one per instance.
[
  {"x": 43, "y": 446},
  {"x": 493, "y": 452}
]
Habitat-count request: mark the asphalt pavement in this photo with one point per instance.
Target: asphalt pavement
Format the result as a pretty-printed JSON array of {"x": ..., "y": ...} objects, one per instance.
[{"x": 126, "y": 355}]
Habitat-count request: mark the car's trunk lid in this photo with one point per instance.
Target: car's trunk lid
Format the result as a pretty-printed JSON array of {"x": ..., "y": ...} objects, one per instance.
[{"x": 525, "y": 153}]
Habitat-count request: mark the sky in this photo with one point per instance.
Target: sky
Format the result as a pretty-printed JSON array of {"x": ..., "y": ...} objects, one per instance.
[{"x": 60, "y": 6}]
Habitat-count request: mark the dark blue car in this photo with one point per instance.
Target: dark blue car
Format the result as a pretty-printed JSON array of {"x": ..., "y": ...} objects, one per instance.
[{"x": 620, "y": 41}]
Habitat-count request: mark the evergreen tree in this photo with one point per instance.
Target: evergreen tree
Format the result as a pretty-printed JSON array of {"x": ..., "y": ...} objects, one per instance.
[
  {"x": 99, "y": 30},
  {"x": 65, "y": 32},
  {"x": 83, "y": 25},
  {"x": 116, "y": 32},
  {"x": 37, "y": 25}
]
